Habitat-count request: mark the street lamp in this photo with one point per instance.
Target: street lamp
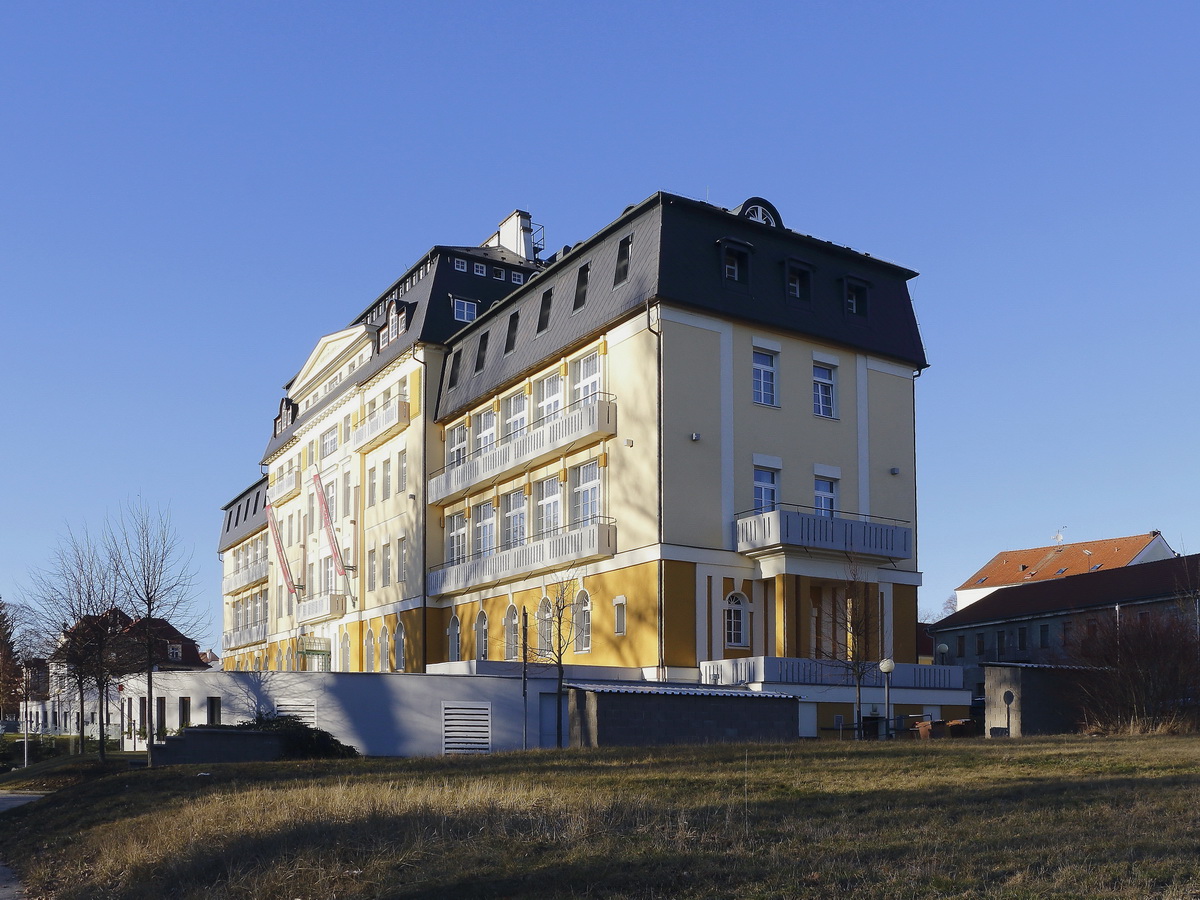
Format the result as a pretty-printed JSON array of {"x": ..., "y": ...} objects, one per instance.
[
  {"x": 942, "y": 650},
  {"x": 887, "y": 665}
]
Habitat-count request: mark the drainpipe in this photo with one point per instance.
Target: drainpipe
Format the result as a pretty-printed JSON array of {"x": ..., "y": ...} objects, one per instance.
[{"x": 658, "y": 354}]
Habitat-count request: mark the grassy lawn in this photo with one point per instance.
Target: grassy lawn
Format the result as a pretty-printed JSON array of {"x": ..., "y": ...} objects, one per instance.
[{"x": 1069, "y": 817}]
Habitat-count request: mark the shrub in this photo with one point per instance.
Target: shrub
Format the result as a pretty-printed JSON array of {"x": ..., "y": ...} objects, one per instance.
[{"x": 299, "y": 739}]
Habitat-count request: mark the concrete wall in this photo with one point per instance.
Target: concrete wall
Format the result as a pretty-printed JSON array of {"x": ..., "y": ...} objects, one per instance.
[{"x": 1039, "y": 701}]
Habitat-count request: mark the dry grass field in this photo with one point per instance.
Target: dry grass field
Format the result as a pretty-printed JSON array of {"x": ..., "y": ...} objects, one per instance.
[{"x": 1070, "y": 817}]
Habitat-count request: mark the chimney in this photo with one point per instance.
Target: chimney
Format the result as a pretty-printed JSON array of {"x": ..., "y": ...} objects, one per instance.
[{"x": 515, "y": 234}]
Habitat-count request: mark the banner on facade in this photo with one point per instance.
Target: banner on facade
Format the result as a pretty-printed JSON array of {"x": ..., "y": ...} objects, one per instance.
[
  {"x": 328, "y": 520},
  {"x": 283, "y": 563}
]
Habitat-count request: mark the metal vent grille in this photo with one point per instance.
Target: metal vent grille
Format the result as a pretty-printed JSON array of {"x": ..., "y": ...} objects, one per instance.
[
  {"x": 466, "y": 727},
  {"x": 305, "y": 711}
]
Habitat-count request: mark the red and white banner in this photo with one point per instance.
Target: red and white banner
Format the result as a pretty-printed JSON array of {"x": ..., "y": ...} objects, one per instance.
[
  {"x": 283, "y": 563},
  {"x": 328, "y": 520}
]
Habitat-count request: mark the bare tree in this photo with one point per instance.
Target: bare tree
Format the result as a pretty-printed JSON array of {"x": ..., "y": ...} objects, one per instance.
[
  {"x": 1143, "y": 669},
  {"x": 563, "y": 623},
  {"x": 14, "y": 651},
  {"x": 156, "y": 580},
  {"x": 75, "y": 601},
  {"x": 853, "y": 633}
]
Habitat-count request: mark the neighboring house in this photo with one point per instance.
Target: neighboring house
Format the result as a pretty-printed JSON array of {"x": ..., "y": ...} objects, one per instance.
[
  {"x": 699, "y": 420},
  {"x": 1058, "y": 561},
  {"x": 1040, "y": 623}
]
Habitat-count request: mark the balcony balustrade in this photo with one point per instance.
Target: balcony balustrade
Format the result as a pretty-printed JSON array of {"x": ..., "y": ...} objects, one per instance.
[
  {"x": 245, "y": 576},
  {"x": 759, "y": 533},
  {"x": 586, "y": 420},
  {"x": 286, "y": 486},
  {"x": 559, "y": 550},
  {"x": 242, "y": 637},
  {"x": 827, "y": 672},
  {"x": 320, "y": 607},
  {"x": 388, "y": 420}
]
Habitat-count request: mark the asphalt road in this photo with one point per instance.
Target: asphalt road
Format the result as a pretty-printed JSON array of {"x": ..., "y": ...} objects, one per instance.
[{"x": 10, "y": 888}]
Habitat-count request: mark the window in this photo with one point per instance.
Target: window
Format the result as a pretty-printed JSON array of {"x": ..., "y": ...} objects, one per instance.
[
  {"x": 582, "y": 614},
  {"x": 512, "y": 506},
  {"x": 401, "y": 559},
  {"x": 799, "y": 283},
  {"x": 960, "y": 646},
  {"x": 544, "y": 623},
  {"x": 549, "y": 396},
  {"x": 454, "y": 364},
  {"x": 385, "y": 656},
  {"x": 185, "y": 712},
  {"x": 510, "y": 336},
  {"x": 371, "y": 485},
  {"x": 736, "y": 264},
  {"x": 460, "y": 265},
  {"x": 548, "y": 497},
  {"x": 979, "y": 644},
  {"x": 370, "y": 570},
  {"x": 823, "y": 391},
  {"x": 464, "y": 310},
  {"x": 346, "y": 494},
  {"x": 485, "y": 528},
  {"x": 214, "y": 710},
  {"x": 454, "y": 640},
  {"x": 329, "y": 442},
  {"x": 385, "y": 565},
  {"x": 1043, "y": 636},
  {"x": 544, "y": 311},
  {"x": 456, "y": 538},
  {"x": 765, "y": 489},
  {"x": 1001, "y": 643},
  {"x": 764, "y": 378},
  {"x": 586, "y": 378},
  {"x": 585, "y": 494},
  {"x": 1022, "y": 638},
  {"x": 513, "y": 410},
  {"x": 624, "y": 249},
  {"x": 485, "y": 430},
  {"x": 512, "y": 641},
  {"x": 175, "y": 652},
  {"x": 497, "y": 273},
  {"x": 581, "y": 284},
  {"x": 387, "y": 479},
  {"x": 401, "y": 473},
  {"x": 481, "y": 269},
  {"x": 399, "y": 645},
  {"x": 456, "y": 445},
  {"x": 856, "y": 298},
  {"x": 825, "y": 496},
  {"x": 735, "y": 622},
  {"x": 481, "y": 353},
  {"x": 369, "y": 651},
  {"x": 1066, "y": 634},
  {"x": 619, "y": 614},
  {"x": 518, "y": 278},
  {"x": 481, "y": 635}
]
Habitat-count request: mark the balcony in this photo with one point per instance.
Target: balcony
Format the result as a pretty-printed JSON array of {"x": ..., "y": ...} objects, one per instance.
[
  {"x": 588, "y": 419},
  {"x": 242, "y": 637},
  {"x": 286, "y": 486},
  {"x": 825, "y": 672},
  {"x": 320, "y": 607},
  {"x": 388, "y": 420},
  {"x": 245, "y": 576},
  {"x": 761, "y": 533},
  {"x": 559, "y": 550}
]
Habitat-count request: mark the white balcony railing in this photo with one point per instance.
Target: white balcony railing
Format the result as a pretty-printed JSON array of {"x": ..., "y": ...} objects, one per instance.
[
  {"x": 320, "y": 607},
  {"x": 828, "y": 672},
  {"x": 287, "y": 485},
  {"x": 242, "y": 637},
  {"x": 540, "y": 441},
  {"x": 245, "y": 576},
  {"x": 386, "y": 421},
  {"x": 862, "y": 536},
  {"x": 560, "y": 550}
]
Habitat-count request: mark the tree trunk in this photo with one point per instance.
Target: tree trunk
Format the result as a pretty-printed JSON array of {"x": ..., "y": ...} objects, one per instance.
[
  {"x": 150, "y": 713},
  {"x": 82, "y": 721}
]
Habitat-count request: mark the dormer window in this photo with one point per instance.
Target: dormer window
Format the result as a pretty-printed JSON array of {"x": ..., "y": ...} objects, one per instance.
[
  {"x": 735, "y": 262},
  {"x": 465, "y": 310},
  {"x": 856, "y": 298},
  {"x": 799, "y": 282}
]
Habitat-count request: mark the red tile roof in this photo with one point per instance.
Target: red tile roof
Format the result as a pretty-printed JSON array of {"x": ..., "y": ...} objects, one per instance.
[
  {"x": 1058, "y": 561},
  {"x": 1162, "y": 579}
]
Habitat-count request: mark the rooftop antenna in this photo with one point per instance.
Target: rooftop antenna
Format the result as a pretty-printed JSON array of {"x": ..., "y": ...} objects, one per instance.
[{"x": 1058, "y": 538}]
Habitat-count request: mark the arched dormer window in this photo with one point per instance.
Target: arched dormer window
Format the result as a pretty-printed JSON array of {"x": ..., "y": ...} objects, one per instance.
[
  {"x": 582, "y": 615},
  {"x": 512, "y": 639},
  {"x": 737, "y": 621}
]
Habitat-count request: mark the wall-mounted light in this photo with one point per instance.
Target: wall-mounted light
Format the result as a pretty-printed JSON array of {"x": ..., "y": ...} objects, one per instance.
[
  {"x": 895, "y": 470},
  {"x": 695, "y": 435}
]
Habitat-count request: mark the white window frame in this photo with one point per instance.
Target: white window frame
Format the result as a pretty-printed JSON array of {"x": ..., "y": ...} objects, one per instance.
[
  {"x": 456, "y": 538},
  {"x": 512, "y": 633},
  {"x": 620, "y": 613},
  {"x": 825, "y": 495},
  {"x": 484, "y": 428},
  {"x": 460, "y": 265},
  {"x": 515, "y": 409},
  {"x": 549, "y": 395},
  {"x": 481, "y": 635},
  {"x": 585, "y": 379},
  {"x": 585, "y": 493},
  {"x": 454, "y": 640},
  {"x": 547, "y": 506},
  {"x": 582, "y": 614},
  {"x": 481, "y": 269},
  {"x": 465, "y": 310},
  {"x": 824, "y": 390},
  {"x": 765, "y": 375},
  {"x": 766, "y": 489},
  {"x": 484, "y": 526},
  {"x": 456, "y": 445},
  {"x": 736, "y": 621},
  {"x": 514, "y": 528},
  {"x": 329, "y": 442}
]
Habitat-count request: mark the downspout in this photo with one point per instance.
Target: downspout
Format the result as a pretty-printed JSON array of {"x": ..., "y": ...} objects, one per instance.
[{"x": 662, "y": 580}]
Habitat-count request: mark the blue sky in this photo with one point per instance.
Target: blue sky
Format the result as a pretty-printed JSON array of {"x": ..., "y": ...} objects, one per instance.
[{"x": 191, "y": 194}]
